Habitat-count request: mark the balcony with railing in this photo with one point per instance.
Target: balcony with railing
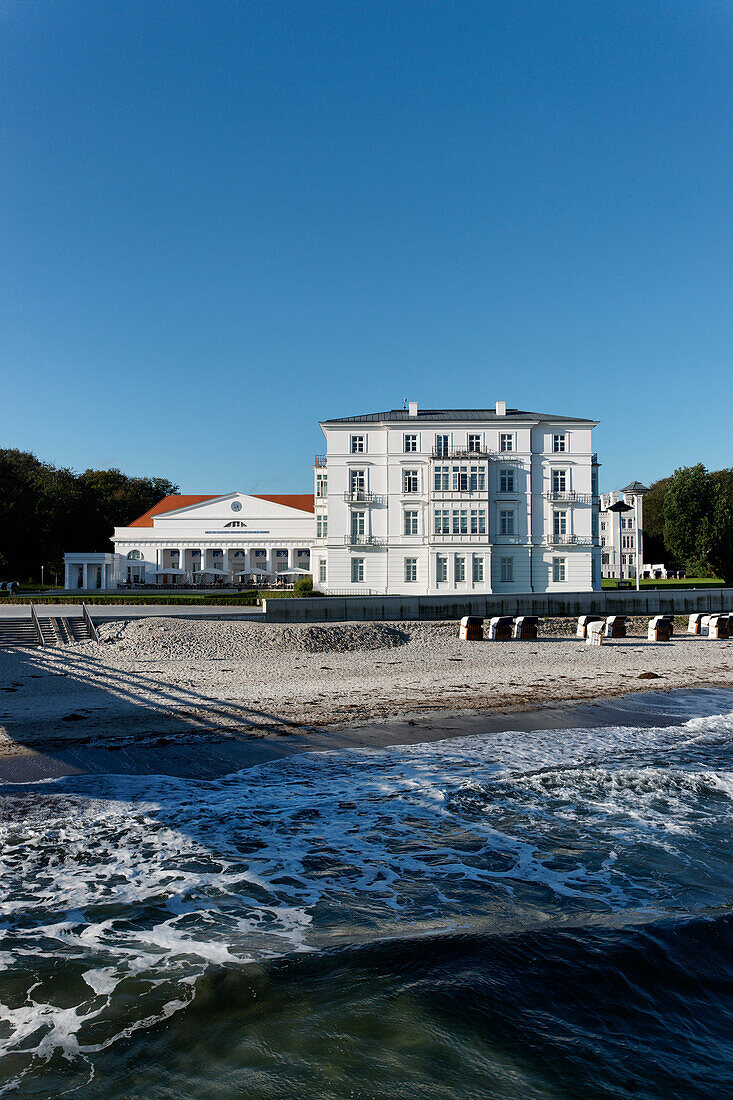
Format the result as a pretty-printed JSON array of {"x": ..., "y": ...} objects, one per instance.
[
  {"x": 359, "y": 496},
  {"x": 558, "y": 539},
  {"x": 568, "y": 496},
  {"x": 462, "y": 452},
  {"x": 363, "y": 540}
]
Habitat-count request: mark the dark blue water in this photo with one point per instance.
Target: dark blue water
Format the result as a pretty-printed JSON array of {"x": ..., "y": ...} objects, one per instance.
[{"x": 522, "y": 914}]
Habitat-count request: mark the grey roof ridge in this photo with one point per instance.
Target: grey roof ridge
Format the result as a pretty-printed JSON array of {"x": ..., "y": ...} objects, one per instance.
[{"x": 403, "y": 415}]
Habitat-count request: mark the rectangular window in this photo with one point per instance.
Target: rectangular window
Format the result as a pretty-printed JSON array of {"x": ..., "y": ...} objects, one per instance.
[
  {"x": 506, "y": 481},
  {"x": 410, "y": 443},
  {"x": 506, "y": 441},
  {"x": 474, "y": 443},
  {"x": 603, "y": 525},
  {"x": 506, "y": 521},
  {"x": 460, "y": 479},
  {"x": 441, "y": 568},
  {"x": 478, "y": 568},
  {"x": 559, "y": 481},
  {"x": 506, "y": 570},
  {"x": 604, "y": 559},
  {"x": 477, "y": 479},
  {"x": 358, "y": 526},
  {"x": 460, "y": 521},
  {"x": 594, "y": 481},
  {"x": 410, "y": 523},
  {"x": 357, "y": 445},
  {"x": 594, "y": 524},
  {"x": 441, "y": 444},
  {"x": 409, "y": 481},
  {"x": 357, "y": 570},
  {"x": 410, "y": 570},
  {"x": 441, "y": 479},
  {"x": 560, "y": 524},
  {"x": 321, "y": 485},
  {"x": 478, "y": 521},
  {"x": 322, "y": 572},
  {"x": 357, "y": 481},
  {"x": 441, "y": 521},
  {"x": 321, "y": 526},
  {"x": 460, "y": 569},
  {"x": 558, "y": 570},
  {"x": 559, "y": 442}
]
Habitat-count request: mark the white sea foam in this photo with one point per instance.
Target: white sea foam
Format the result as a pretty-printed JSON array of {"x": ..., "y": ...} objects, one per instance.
[{"x": 140, "y": 883}]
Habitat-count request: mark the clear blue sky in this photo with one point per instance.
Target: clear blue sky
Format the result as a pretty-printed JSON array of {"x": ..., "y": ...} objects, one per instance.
[{"x": 223, "y": 221}]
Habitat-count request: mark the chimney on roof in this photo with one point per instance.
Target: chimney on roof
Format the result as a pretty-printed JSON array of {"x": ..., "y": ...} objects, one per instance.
[
  {"x": 413, "y": 408},
  {"x": 501, "y": 408}
]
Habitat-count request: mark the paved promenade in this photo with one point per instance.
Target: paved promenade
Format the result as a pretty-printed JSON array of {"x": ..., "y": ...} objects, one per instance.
[{"x": 105, "y": 612}]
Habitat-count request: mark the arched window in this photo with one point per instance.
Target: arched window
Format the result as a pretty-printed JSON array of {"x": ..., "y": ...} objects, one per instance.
[
  {"x": 239, "y": 553},
  {"x": 235, "y": 523},
  {"x": 135, "y": 555}
]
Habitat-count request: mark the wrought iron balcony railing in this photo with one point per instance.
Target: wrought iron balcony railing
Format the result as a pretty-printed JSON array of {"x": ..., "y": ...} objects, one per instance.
[
  {"x": 359, "y": 496},
  {"x": 363, "y": 540}
]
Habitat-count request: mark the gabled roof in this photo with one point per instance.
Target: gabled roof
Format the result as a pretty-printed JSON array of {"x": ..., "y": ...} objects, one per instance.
[
  {"x": 403, "y": 415},
  {"x": 168, "y": 504},
  {"x": 303, "y": 502}
]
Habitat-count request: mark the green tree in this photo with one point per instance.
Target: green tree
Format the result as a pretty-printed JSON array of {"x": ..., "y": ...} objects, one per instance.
[
  {"x": 653, "y": 519},
  {"x": 46, "y": 510},
  {"x": 698, "y": 520},
  {"x": 721, "y": 536}
]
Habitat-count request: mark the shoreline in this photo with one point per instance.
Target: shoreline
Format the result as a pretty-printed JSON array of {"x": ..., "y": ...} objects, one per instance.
[
  {"x": 164, "y": 692},
  {"x": 211, "y": 755}
]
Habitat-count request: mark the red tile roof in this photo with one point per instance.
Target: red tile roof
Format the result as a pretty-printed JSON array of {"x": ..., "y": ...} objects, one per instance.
[
  {"x": 167, "y": 504},
  {"x": 303, "y": 502}
]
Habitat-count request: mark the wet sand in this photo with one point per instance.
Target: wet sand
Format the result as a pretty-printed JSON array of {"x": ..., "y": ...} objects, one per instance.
[{"x": 197, "y": 699}]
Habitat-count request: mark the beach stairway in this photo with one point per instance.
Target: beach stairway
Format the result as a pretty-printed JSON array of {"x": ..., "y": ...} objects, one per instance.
[
  {"x": 47, "y": 630},
  {"x": 18, "y": 632}
]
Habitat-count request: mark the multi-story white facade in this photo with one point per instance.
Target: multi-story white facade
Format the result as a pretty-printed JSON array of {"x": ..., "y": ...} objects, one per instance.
[
  {"x": 473, "y": 500},
  {"x": 621, "y": 532}
]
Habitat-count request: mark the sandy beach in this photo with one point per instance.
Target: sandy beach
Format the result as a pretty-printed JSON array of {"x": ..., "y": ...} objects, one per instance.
[{"x": 181, "y": 682}]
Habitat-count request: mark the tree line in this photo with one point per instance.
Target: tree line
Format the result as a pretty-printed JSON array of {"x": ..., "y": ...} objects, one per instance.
[
  {"x": 688, "y": 522},
  {"x": 46, "y": 510}
]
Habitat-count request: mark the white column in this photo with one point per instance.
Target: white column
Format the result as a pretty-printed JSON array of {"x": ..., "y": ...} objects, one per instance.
[
  {"x": 66, "y": 576},
  {"x": 84, "y": 574}
]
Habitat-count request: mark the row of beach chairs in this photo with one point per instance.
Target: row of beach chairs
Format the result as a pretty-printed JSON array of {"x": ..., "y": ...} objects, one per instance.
[{"x": 594, "y": 628}]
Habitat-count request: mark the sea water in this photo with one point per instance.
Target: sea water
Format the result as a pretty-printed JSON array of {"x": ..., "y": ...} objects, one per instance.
[{"x": 516, "y": 914}]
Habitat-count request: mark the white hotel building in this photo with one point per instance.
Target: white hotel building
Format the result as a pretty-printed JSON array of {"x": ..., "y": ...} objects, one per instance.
[
  {"x": 406, "y": 502},
  {"x": 456, "y": 500},
  {"x": 200, "y": 539}
]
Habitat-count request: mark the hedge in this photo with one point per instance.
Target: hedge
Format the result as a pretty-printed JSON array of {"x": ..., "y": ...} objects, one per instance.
[{"x": 245, "y": 600}]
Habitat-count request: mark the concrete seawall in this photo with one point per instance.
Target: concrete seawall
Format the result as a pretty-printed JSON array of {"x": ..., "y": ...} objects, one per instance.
[{"x": 680, "y": 601}]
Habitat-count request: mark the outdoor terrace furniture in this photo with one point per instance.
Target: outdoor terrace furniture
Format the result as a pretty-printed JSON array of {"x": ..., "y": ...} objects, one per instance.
[
  {"x": 471, "y": 629},
  {"x": 584, "y": 622},
  {"x": 596, "y": 630},
  {"x": 660, "y": 629},
  {"x": 500, "y": 628},
  {"x": 525, "y": 627},
  {"x": 615, "y": 626}
]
